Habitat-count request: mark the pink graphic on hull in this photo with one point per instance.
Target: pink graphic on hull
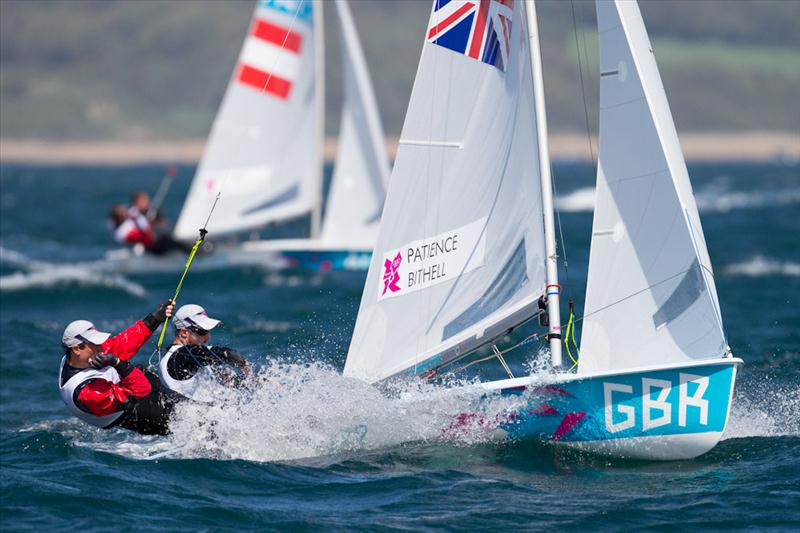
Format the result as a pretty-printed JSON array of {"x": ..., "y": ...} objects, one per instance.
[{"x": 390, "y": 275}]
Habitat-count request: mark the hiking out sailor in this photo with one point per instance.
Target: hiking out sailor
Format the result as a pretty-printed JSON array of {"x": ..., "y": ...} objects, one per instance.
[
  {"x": 101, "y": 386},
  {"x": 190, "y": 364}
]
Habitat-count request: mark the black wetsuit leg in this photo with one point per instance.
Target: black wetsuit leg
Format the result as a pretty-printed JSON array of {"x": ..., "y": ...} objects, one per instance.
[
  {"x": 150, "y": 415},
  {"x": 165, "y": 244}
]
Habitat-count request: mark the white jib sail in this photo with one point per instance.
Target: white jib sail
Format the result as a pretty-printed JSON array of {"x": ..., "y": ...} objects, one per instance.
[
  {"x": 460, "y": 253},
  {"x": 650, "y": 296},
  {"x": 361, "y": 170},
  {"x": 264, "y": 150}
]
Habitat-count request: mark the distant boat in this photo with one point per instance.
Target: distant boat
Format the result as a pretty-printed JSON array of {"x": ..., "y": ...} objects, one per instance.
[
  {"x": 264, "y": 154},
  {"x": 466, "y": 250}
]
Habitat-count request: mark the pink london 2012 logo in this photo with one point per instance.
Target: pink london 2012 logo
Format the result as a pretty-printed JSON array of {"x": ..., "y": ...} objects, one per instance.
[{"x": 390, "y": 274}]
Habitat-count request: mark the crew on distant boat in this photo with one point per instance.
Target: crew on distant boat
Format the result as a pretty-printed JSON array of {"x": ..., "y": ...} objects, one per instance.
[
  {"x": 132, "y": 230},
  {"x": 101, "y": 386},
  {"x": 140, "y": 205},
  {"x": 136, "y": 226},
  {"x": 191, "y": 363}
]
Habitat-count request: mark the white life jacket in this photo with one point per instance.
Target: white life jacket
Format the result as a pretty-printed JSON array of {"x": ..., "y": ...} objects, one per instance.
[
  {"x": 189, "y": 388},
  {"x": 68, "y": 393}
]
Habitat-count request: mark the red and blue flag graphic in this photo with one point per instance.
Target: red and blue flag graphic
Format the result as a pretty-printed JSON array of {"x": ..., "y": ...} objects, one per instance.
[{"x": 480, "y": 29}]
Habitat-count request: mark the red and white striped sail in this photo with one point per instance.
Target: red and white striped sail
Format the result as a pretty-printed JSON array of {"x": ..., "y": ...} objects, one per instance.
[{"x": 264, "y": 151}]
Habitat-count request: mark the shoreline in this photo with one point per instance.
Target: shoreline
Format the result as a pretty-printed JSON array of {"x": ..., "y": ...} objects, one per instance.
[{"x": 752, "y": 146}]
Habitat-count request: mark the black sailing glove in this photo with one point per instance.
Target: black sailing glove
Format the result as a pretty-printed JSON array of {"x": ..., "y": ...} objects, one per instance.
[
  {"x": 231, "y": 356},
  {"x": 158, "y": 316},
  {"x": 103, "y": 360}
]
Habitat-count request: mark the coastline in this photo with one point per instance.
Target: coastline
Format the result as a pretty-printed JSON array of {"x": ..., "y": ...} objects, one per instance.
[{"x": 754, "y": 146}]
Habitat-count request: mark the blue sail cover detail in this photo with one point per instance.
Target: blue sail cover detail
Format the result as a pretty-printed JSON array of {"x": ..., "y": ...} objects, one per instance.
[
  {"x": 508, "y": 281},
  {"x": 289, "y": 194},
  {"x": 685, "y": 294}
]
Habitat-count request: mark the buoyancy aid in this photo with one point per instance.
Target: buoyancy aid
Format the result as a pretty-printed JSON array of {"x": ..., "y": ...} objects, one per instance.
[
  {"x": 190, "y": 388},
  {"x": 70, "y": 389}
]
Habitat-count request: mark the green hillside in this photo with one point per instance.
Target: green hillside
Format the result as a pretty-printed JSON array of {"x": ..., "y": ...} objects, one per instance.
[{"x": 157, "y": 69}]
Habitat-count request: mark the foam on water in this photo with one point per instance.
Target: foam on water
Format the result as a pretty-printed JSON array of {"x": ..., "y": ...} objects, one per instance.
[
  {"x": 300, "y": 411},
  {"x": 43, "y": 275},
  {"x": 579, "y": 200},
  {"x": 760, "y": 266},
  {"x": 295, "y": 411},
  {"x": 764, "y": 408},
  {"x": 713, "y": 198},
  {"x": 68, "y": 276}
]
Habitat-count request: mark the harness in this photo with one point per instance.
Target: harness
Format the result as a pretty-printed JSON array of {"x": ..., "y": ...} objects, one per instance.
[
  {"x": 69, "y": 393},
  {"x": 185, "y": 387}
]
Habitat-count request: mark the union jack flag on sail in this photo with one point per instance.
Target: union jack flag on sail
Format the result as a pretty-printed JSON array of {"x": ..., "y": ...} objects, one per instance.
[{"x": 480, "y": 29}]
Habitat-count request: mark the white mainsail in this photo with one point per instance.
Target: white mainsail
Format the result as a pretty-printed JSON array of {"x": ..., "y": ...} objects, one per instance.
[
  {"x": 361, "y": 169},
  {"x": 650, "y": 296},
  {"x": 460, "y": 253},
  {"x": 264, "y": 150}
]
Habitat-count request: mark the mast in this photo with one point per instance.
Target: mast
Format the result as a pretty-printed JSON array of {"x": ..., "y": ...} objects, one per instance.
[
  {"x": 319, "y": 104},
  {"x": 551, "y": 261}
]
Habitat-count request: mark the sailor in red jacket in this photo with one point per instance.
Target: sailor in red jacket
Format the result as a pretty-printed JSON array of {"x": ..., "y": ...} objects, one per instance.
[{"x": 100, "y": 385}]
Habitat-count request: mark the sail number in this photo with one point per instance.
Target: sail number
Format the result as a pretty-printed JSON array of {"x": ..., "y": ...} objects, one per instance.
[{"x": 656, "y": 405}]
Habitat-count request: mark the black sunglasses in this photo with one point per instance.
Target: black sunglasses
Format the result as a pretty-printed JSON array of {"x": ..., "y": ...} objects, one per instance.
[{"x": 197, "y": 330}]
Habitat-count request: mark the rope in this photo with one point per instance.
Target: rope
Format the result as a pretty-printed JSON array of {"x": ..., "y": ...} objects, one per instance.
[
  {"x": 534, "y": 337},
  {"x": 583, "y": 85},
  {"x": 192, "y": 253},
  {"x": 569, "y": 335},
  {"x": 502, "y": 361}
]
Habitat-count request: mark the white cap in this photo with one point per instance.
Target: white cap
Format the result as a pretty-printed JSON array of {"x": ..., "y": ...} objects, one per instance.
[
  {"x": 81, "y": 331},
  {"x": 193, "y": 315}
]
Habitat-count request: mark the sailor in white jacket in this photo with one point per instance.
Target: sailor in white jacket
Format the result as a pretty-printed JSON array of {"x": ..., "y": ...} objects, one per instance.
[{"x": 191, "y": 363}]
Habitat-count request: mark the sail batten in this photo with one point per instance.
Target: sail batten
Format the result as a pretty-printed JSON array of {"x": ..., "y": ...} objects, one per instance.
[
  {"x": 650, "y": 298},
  {"x": 460, "y": 255}
]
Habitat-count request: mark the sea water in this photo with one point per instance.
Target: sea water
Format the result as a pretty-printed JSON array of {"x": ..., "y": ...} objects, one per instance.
[{"x": 305, "y": 448}]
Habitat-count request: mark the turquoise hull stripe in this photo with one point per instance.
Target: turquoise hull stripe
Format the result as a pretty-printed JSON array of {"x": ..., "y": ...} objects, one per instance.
[
  {"x": 328, "y": 261},
  {"x": 663, "y": 402}
]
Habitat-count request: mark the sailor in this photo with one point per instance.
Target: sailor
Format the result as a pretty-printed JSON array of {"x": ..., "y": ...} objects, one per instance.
[
  {"x": 131, "y": 226},
  {"x": 101, "y": 386},
  {"x": 191, "y": 363},
  {"x": 132, "y": 230},
  {"x": 141, "y": 206}
]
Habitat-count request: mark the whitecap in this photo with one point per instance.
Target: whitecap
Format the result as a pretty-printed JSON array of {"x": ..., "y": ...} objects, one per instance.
[
  {"x": 760, "y": 266},
  {"x": 40, "y": 274}
]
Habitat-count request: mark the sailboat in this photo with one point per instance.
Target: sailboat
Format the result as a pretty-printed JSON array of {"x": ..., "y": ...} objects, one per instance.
[
  {"x": 466, "y": 251},
  {"x": 264, "y": 155}
]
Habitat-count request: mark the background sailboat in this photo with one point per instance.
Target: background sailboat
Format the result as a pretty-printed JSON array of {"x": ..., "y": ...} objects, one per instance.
[
  {"x": 466, "y": 247},
  {"x": 264, "y": 153},
  {"x": 361, "y": 170}
]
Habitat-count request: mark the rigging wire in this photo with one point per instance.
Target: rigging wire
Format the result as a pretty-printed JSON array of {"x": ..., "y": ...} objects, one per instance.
[
  {"x": 583, "y": 85},
  {"x": 569, "y": 336}
]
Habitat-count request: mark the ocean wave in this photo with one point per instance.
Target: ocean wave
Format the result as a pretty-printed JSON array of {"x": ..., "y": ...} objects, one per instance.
[
  {"x": 760, "y": 266},
  {"x": 66, "y": 277},
  {"x": 42, "y": 275},
  {"x": 710, "y": 199}
]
